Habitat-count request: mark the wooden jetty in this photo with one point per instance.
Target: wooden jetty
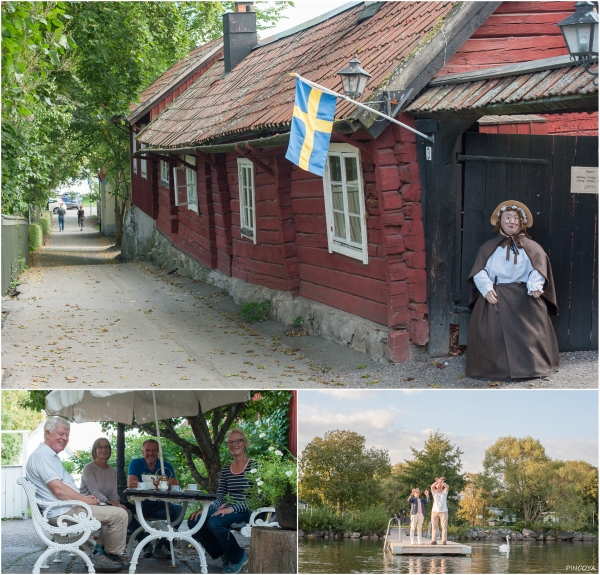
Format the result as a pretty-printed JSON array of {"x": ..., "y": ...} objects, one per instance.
[{"x": 404, "y": 547}]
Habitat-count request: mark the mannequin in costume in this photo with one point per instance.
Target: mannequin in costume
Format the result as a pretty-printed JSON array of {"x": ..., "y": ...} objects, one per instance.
[{"x": 512, "y": 298}]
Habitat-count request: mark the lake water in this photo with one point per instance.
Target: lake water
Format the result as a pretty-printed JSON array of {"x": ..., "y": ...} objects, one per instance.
[{"x": 356, "y": 556}]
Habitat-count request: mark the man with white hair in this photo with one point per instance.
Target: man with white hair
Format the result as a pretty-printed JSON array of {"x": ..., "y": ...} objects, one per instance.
[{"x": 53, "y": 483}]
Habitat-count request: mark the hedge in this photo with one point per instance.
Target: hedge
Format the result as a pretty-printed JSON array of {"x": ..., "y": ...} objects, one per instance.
[
  {"x": 36, "y": 237},
  {"x": 46, "y": 223}
]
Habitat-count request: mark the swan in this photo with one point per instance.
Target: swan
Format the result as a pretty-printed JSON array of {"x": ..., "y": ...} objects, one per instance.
[{"x": 505, "y": 548}]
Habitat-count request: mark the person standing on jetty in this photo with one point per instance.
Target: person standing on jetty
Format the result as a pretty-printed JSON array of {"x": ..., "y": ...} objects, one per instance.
[
  {"x": 417, "y": 513},
  {"x": 439, "y": 511}
]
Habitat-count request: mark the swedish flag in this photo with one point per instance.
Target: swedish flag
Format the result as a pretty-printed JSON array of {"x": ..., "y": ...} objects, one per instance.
[{"x": 312, "y": 123}]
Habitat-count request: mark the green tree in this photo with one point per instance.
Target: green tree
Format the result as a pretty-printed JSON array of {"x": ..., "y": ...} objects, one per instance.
[
  {"x": 520, "y": 473},
  {"x": 34, "y": 41},
  {"x": 476, "y": 500},
  {"x": 574, "y": 494},
  {"x": 15, "y": 417},
  {"x": 339, "y": 470},
  {"x": 437, "y": 458},
  {"x": 70, "y": 72},
  {"x": 396, "y": 492},
  {"x": 198, "y": 443}
]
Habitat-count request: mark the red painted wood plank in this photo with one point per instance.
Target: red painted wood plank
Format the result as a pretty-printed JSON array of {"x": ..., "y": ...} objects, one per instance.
[
  {"x": 366, "y": 287},
  {"x": 528, "y": 7},
  {"x": 376, "y": 268},
  {"x": 309, "y": 206},
  {"x": 311, "y": 224},
  {"x": 307, "y": 189},
  {"x": 356, "y": 305},
  {"x": 263, "y": 252}
]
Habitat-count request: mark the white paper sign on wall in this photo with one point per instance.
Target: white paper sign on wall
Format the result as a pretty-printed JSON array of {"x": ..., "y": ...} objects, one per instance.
[{"x": 584, "y": 180}]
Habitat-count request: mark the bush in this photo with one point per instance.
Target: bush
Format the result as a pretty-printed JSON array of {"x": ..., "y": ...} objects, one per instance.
[
  {"x": 36, "y": 237},
  {"x": 370, "y": 521},
  {"x": 321, "y": 519},
  {"x": 458, "y": 530},
  {"x": 46, "y": 223},
  {"x": 256, "y": 311}
]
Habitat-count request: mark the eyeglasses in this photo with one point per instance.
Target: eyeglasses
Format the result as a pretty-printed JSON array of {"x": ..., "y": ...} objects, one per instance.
[
  {"x": 103, "y": 447},
  {"x": 511, "y": 219},
  {"x": 234, "y": 442}
]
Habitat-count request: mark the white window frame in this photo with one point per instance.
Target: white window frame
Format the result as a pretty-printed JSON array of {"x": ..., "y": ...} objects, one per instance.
[
  {"x": 185, "y": 178},
  {"x": 135, "y": 171},
  {"x": 345, "y": 247},
  {"x": 247, "y": 213},
  {"x": 144, "y": 165},
  {"x": 164, "y": 172}
]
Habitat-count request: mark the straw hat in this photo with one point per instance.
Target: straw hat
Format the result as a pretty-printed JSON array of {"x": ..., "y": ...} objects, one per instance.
[{"x": 512, "y": 205}]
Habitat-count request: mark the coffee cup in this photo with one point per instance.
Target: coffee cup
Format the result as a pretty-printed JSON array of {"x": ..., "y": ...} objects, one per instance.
[
  {"x": 192, "y": 487},
  {"x": 147, "y": 479},
  {"x": 175, "y": 488},
  {"x": 142, "y": 485}
]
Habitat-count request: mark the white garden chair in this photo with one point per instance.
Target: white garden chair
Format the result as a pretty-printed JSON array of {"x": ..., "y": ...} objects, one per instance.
[
  {"x": 246, "y": 528},
  {"x": 69, "y": 533}
]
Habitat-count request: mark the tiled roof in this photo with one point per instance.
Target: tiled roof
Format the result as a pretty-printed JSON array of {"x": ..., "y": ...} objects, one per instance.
[
  {"x": 175, "y": 74},
  {"x": 259, "y": 93},
  {"x": 516, "y": 88}
]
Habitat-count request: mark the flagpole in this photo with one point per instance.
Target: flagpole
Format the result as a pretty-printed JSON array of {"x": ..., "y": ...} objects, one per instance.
[{"x": 389, "y": 118}]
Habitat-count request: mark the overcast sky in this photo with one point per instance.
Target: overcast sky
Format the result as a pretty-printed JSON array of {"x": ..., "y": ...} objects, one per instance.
[
  {"x": 564, "y": 421},
  {"x": 303, "y": 11}
]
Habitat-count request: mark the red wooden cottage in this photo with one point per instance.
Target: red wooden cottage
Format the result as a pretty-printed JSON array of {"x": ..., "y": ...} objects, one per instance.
[{"x": 375, "y": 254}]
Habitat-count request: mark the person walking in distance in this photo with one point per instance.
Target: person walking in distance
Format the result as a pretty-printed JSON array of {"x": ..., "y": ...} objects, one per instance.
[
  {"x": 80, "y": 217},
  {"x": 62, "y": 210},
  {"x": 439, "y": 511}
]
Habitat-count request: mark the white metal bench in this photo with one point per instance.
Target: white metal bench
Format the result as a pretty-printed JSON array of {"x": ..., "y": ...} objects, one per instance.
[{"x": 70, "y": 532}]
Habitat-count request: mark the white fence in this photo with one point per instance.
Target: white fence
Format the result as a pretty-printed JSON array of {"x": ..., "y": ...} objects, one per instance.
[{"x": 14, "y": 500}]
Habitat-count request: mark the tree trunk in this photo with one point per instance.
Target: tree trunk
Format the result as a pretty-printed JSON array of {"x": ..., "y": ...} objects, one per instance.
[
  {"x": 273, "y": 551},
  {"x": 118, "y": 221}
]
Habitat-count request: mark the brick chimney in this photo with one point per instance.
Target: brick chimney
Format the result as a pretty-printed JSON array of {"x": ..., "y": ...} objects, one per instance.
[{"x": 239, "y": 34}]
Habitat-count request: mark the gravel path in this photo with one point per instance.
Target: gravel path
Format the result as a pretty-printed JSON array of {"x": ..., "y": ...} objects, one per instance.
[{"x": 83, "y": 320}]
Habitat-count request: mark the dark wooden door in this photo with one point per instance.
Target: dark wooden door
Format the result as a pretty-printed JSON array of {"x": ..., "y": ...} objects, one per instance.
[{"x": 564, "y": 224}]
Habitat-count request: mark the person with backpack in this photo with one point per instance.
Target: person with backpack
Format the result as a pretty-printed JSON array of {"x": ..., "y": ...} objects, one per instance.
[{"x": 80, "y": 218}]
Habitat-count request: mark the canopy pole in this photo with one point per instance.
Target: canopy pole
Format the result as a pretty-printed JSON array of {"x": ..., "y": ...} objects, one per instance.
[
  {"x": 365, "y": 107},
  {"x": 162, "y": 470},
  {"x": 160, "y": 453}
]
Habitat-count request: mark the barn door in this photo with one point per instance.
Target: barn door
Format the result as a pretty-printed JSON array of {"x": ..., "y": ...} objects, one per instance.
[{"x": 536, "y": 170}]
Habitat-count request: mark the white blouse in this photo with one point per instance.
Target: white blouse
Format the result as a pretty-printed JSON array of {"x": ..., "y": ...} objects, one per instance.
[{"x": 508, "y": 272}]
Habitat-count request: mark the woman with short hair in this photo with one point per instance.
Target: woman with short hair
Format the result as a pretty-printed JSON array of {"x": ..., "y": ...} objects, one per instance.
[
  {"x": 512, "y": 298},
  {"x": 215, "y": 534},
  {"x": 99, "y": 479}
]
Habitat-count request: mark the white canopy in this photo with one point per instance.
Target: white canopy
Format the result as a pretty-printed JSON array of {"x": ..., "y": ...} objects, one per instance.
[{"x": 122, "y": 406}]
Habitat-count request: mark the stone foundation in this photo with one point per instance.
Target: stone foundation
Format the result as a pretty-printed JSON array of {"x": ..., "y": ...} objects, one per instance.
[{"x": 142, "y": 240}]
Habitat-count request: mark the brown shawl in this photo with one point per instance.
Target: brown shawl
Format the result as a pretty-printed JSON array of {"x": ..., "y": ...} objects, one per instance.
[{"x": 539, "y": 260}]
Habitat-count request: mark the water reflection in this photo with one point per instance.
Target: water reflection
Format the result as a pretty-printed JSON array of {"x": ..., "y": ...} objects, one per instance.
[{"x": 355, "y": 556}]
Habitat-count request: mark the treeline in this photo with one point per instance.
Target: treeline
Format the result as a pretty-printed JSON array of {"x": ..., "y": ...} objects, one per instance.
[
  {"x": 344, "y": 483},
  {"x": 70, "y": 71}
]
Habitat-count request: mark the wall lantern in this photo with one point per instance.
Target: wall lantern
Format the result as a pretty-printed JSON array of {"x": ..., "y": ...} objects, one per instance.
[
  {"x": 354, "y": 81},
  {"x": 580, "y": 31}
]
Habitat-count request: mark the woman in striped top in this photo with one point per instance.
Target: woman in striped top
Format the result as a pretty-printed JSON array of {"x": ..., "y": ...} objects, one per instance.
[{"x": 214, "y": 535}]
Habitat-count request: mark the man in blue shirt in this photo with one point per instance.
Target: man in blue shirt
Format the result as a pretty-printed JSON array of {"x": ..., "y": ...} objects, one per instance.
[
  {"x": 149, "y": 464},
  {"x": 417, "y": 513}
]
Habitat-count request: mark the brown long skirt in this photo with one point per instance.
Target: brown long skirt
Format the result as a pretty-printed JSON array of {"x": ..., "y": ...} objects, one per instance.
[{"x": 513, "y": 339}]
